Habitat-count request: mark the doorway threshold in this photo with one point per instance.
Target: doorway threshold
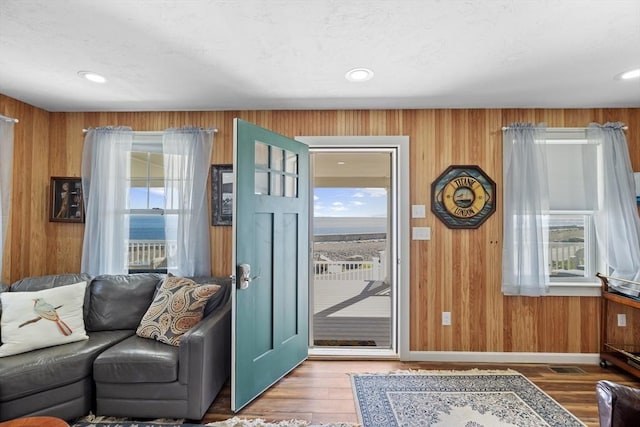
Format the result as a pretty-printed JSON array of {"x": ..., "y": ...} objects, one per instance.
[{"x": 342, "y": 353}]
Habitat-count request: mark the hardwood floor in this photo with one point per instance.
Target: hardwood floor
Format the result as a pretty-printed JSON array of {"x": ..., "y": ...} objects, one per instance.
[{"x": 319, "y": 391}]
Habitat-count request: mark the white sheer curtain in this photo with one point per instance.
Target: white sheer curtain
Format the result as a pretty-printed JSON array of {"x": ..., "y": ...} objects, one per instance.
[
  {"x": 106, "y": 160},
  {"x": 525, "y": 266},
  {"x": 617, "y": 222},
  {"x": 6, "y": 161},
  {"x": 187, "y": 158}
]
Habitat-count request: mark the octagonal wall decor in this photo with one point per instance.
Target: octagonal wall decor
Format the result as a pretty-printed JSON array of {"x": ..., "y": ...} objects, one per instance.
[{"x": 463, "y": 196}]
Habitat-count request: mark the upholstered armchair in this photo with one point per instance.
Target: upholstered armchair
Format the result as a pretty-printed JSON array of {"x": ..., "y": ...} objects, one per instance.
[{"x": 618, "y": 405}]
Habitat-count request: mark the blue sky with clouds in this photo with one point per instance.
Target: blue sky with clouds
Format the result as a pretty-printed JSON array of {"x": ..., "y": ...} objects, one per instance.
[
  {"x": 138, "y": 198},
  {"x": 350, "y": 202},
  {"x": 327, "y": 202}
]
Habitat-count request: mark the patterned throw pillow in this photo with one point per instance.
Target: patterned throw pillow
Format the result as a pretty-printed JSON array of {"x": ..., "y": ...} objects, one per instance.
[{"x": 176, "y": 308}]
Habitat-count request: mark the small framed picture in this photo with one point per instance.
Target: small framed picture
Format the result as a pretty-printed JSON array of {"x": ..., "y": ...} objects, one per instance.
[
  {"x": 221, "y": 194},
  {"x": 66, "y": 203}
]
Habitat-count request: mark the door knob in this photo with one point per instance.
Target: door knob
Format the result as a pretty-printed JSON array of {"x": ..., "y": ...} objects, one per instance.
[{"x": 244, "y": 275}]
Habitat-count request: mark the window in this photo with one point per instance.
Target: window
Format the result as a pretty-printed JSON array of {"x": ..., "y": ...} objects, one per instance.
[
  {"x": 276, "y": 172},
  {"x": 573, "y": 199},
  {"x": 147, "y": 218}
]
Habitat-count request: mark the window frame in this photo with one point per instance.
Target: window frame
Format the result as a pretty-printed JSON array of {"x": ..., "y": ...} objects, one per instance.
[
  {"x": 589, "y": 285},
  {"x": 148, "y": 142}
]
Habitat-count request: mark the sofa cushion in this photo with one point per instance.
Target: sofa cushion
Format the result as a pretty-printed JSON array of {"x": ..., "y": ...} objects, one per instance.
[
  {"x": 48, "y": 368},
  {"x": 137, "y": 360},
  {"x": 120, "y": 301},
  {"x": 38, "y": 319},
  {"x": 176, "y": 308},
  {"x": 221, "y": 297},
  {"x": 47, "y": 282}
]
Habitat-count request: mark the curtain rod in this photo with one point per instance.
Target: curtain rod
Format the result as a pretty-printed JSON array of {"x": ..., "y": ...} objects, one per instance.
[
  {"x": 158, "y": 132},
  {"x": 9, "y": 119},
  {"x": 566, "y": 129}
]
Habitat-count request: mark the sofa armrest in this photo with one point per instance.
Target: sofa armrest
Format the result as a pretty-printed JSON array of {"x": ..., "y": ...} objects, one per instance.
[
  {"x": 204, "y": 363},
  {"x": 618, "y": 405}
]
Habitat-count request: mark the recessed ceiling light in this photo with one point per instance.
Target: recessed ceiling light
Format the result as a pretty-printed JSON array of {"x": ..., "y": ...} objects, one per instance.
[
  {"x": 92, "y": 77},
  {"x": 341, "y": 163},
  {"x": 631, "y": 74},
  {"x": 359, "y": 75}
]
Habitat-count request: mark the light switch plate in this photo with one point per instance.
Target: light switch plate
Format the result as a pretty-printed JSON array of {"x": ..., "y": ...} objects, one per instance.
[
  {"x": 421, "y": 233},
  {"x": 446, "y": 318},
  {"x": 418, "y": 211}
]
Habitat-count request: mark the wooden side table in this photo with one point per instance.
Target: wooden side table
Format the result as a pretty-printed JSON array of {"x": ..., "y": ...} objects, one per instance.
[{"x": 35, "y": 422}]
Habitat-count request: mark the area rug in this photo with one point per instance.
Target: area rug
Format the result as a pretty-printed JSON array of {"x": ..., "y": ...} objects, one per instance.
[
  {"x": 99, "y": 421},
  {"x": 93, "y": 421},
  {"x": 473, "y": 398}
]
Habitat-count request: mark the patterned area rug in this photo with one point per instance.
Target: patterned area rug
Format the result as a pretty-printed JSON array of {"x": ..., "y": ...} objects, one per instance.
[
  {"x": 93, "y": 421},
  {"x": 473, "y": 398}
]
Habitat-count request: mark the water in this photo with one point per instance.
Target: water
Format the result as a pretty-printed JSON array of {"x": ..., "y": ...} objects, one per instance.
[
  {"x": 349, "y": 225},
  {"x": 148, "y": 227},
  {"x": 151, "y": 227}
]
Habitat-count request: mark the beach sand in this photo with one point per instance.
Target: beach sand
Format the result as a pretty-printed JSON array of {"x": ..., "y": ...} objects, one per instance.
[{"x": 340, "y": 251}]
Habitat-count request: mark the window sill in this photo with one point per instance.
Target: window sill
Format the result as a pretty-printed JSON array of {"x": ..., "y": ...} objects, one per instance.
[{"x": 573, "y": 289}]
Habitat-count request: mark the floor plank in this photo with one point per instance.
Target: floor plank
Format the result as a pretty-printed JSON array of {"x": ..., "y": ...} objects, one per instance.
[{"x": 319, "y": 391}]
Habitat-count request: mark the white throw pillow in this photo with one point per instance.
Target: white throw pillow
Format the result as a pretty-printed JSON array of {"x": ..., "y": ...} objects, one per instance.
[{"x": 32, "y": 320}]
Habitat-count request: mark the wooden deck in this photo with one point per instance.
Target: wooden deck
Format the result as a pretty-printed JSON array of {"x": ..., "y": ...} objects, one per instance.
[{"x": 352, "y": 312}]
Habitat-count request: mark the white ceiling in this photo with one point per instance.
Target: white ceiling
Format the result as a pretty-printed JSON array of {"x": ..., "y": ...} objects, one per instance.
[{"x": 292, "y": 54}]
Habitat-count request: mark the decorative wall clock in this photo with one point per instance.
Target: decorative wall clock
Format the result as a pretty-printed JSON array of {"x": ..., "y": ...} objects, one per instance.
[{"x": 463, "y": 196}]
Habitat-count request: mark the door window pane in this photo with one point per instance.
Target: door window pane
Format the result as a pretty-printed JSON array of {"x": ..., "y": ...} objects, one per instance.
[
  {"x": 276, "y": 184},
  {"x": 276, "y": 158},
  {"x": 291, "y": 162},
  {"x": 262, "y": 183},
  {"x": 276, "y": 171},
  {"x": 290, "y": 186},
  {"x": 262, "y": 155}
]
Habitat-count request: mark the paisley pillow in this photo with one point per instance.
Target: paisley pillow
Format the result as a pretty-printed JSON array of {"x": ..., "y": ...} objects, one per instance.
[{"x": 176, "y": 308}]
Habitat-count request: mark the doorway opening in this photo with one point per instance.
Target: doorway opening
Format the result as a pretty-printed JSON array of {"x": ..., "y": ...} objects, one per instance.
[{"x": 353, "y": 279}]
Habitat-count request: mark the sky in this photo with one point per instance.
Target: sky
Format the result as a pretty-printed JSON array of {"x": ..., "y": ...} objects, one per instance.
[
  {"x": 138, "y": 198},
  {"x": 350, "y": 202},
  {"x": 327, "y": 202}
]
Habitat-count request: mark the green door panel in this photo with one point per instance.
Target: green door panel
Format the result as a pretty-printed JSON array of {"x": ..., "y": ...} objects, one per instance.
[{"x": 270, "y": 228}]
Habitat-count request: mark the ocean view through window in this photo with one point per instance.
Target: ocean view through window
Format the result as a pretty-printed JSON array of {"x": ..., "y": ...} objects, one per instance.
[{"x": 147, "y": 236}]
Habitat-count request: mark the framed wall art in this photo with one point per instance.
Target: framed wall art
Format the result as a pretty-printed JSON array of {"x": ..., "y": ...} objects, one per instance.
[
  {"x": 66, "y": 202},
  {"x": 463, "y": 196},
  {"x": 221, "y": 194}
]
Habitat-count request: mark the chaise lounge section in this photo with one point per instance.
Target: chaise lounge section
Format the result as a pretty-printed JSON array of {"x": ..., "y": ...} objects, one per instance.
[{"x": 115, "y": 372}]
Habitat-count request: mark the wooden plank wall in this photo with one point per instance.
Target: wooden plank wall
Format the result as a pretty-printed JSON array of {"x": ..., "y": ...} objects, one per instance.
[{"x": 457, "y": 271}]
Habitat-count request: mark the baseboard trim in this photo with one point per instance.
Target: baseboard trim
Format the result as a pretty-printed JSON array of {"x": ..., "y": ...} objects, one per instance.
[{"x": 501, "y": 357}]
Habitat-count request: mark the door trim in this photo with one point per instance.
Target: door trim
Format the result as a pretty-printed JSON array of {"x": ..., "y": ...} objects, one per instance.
[{"x": 400, "y": 183}]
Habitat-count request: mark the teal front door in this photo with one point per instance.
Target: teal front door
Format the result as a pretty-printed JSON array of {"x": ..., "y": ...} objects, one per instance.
[{"x": 270, "y": 230}]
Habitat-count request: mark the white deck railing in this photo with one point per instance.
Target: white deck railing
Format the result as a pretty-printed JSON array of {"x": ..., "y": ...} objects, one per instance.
[
  {"x": 151, "y": 253},
  {"x": 349, "y": 270},
  {"x": 566, "y": 256}
]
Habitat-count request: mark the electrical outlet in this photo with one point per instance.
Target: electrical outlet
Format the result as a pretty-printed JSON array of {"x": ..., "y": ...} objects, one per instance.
[
  {"x": 622, "y": 319},
  {"x": 446, "y": 318}
]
